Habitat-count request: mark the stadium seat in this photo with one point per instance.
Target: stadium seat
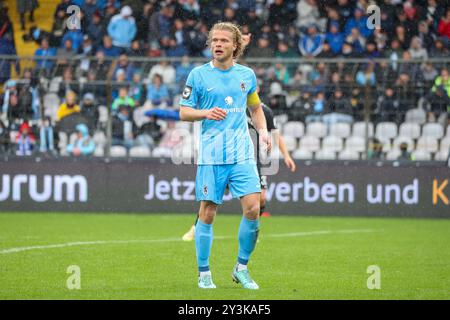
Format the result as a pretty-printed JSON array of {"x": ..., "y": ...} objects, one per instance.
[
  {"x": 403, "y": 139},
  {"x": 102, "y": 114},
  {"x": 332, "y": 143},
  {"x": 63, "y": 140},
  {"x": 428, "y": 144},
  {"x": 291, "y": 143},
  {"x": 416, "y": 115},
  {"x": 51, "y": 105},
  {"x": 325, "y": 154},
  {"x": 355, "y": 143},
  {"x": 359, "y": 129},
  {"x": 386, "y": 130},
  {"x": 445, "y": 143},
  {"x": 348, "y": 154},
  {"x": 73, "y": 137},
  {"x": 99, "y": 138},
  {"x": 99, "y": 151},
  {"x": 393, "y": 155},
  {"x": 140, "y": 152},
  {"x": 118, "y": 151},
  {"x": 310, "y": 143},
  {"x": 316, "y": 129},
  {"x": 421, "y": 155},
  {"x": 302, "y": 154},
  {"x": 434, "y": 130},
  {"x": 409, "y": 129},
  {"x": 341, "y": 130},
  {"x": 162, "y": 152},
  {"x": 294, "y": 129},
  {"x": 54, "y": 84},
  {"x": 441, "y": 155}
]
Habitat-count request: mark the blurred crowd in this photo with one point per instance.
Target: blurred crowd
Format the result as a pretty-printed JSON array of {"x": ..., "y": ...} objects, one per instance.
[{"x": 101, "y": 41}]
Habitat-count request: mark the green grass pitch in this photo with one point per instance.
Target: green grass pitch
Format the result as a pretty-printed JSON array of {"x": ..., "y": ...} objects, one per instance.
[{"x": 127, "y": 256}]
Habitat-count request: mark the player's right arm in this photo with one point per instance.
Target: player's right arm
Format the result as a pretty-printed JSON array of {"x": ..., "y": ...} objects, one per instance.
[
  {"x": 191, "y": 114},
  {"x": 190, "y": 99}
]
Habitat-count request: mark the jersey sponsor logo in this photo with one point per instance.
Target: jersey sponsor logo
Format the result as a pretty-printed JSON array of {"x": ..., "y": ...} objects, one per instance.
[
  {"x": 187, "y": 92},
  {"x": 229, "y": 101}
]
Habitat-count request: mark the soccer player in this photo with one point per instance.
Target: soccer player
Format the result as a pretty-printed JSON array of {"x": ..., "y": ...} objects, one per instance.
[
  {"x": 190, "y": 235},
  {"x": 218, "y": 94}
]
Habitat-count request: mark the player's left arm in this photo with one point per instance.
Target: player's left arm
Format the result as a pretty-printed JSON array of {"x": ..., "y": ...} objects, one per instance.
[
  {"x": 284, "y": 151},
  {"x": 259, "y": 119}
]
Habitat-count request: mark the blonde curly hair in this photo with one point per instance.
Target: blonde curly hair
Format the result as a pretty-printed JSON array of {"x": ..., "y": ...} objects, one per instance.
[{"x": 237, "y": 36}]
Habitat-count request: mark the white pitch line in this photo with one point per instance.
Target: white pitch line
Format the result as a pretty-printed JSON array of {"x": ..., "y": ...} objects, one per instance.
[{"x": 87, "y": 243}]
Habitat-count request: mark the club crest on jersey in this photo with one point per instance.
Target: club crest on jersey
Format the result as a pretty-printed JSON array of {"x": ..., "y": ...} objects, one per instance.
[
  {"x": 242, "y": 86},
  {"x": 187, "y": 92},
  {"x": 229, "y": 101}
]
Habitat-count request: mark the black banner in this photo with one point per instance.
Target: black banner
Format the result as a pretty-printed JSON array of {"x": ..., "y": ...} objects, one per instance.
[{"x": 159, "y": 186}]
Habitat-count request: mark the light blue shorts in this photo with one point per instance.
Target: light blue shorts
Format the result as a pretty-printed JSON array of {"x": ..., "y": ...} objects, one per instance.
[{"x": 212, "y": 180}]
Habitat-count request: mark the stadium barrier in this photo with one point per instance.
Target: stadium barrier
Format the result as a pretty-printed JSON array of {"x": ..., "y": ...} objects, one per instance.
[{"x": 158, "y": 186}]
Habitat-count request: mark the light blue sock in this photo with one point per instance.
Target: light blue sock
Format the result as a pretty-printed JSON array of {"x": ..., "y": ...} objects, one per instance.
[
  {"x": 248, "y": 234},
  {"x": 203, "y": 242}
]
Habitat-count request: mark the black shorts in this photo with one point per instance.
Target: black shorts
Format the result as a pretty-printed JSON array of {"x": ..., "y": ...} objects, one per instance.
[{"x": 262, "y": 179}]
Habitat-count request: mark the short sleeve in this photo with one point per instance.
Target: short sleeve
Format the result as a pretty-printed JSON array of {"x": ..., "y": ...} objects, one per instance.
[
  {"x": 253, "y": 83},
  {"x": 189, "y": 96}
]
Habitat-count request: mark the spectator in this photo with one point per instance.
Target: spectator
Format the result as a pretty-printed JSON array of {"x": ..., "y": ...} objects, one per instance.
[
  {"x": 416, "y": 50},
  {"x": 424, "y": 35},
  {"x": 443, "y": 80},
  {"x": 123, "y": 100},
  {"x": 44, "y": 65},
  {"x": 7, "y": 48},
  {"x": 310, "y": 45},
  {"x": 65, "y": 55},
  {"x": 108, "y": 49},
  {"x": 335, "y": 38},
  {"x": 100, "y": 66},
  {"x": 74, "y": 35},
  {"x": 318, "y": 108},
  {"x": 89, "y": 8},
  {"x": 182, "y": 71},
  {"x": 68, "y": 84},
  {"x": 307, "y": 13},
  {"x": 376, "y": 150},
  {"x": 429, "y": 73},
  {"x": 394, "y": 54},
  {"x": 366, "y": 77},
  {"x": 46, "y": 136},
  {"x": 444, "y": 26},
  {"x": 25, "y": 6},
  {"x": 358, "y": 21},
  {"x": 262, "y": 50},
  {"x": 89, "y": 110},
  {"x": 137, "y": 90},
  {"x": 83, "y": 145},
  {"x": 439, "y": 49},
  {"x": 122, "y": 128},
  {"x": 29, "y": 90},
  {"x": 157, "y": 93},
  {"x": 338, "y": 109},
  {"x": 165, "y": 70},
  {"x": 25, "y": 140},
  {"x": 405, "y": 155},
  {"x": 280, "y": 13},
  {"x": 122, "y": 28},
  {"x": 59, "y": 25},
  {"x": 95, "y": 29},
  {"x": 439, "y": 105},
  {"x": 125, "y": 65},
  {"x": 357, "y": 41},
  {"x": 301, "y": 107},
  {"x": 97, "y": 90},
  {"x": 149, "y": 134},
  {"x": 388, "y": 107},
  {"x": 4, "y": 138},
  {"x": 68, "y": 107},
  {"x": 17, "y": 103}
]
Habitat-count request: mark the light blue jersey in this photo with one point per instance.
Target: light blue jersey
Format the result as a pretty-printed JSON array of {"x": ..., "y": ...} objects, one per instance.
[{"x": 226, "y": 141}]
